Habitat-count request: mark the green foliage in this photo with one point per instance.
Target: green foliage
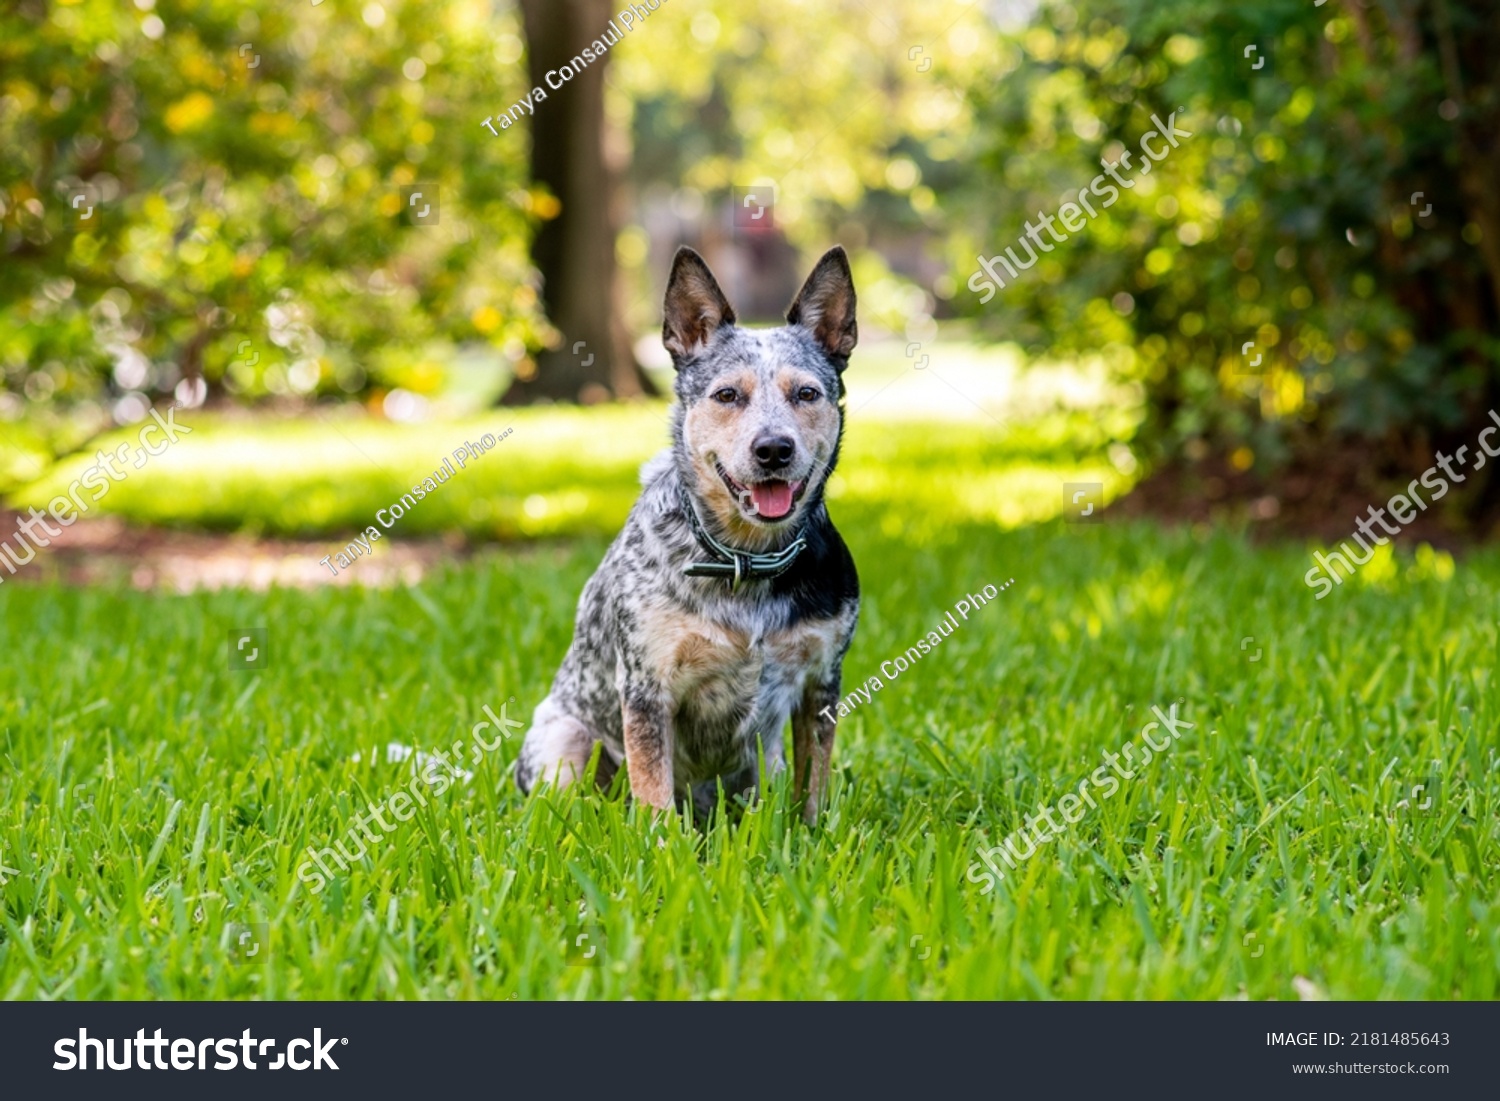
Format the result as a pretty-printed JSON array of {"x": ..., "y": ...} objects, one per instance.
[
  {"x": 855, "y": 113},
  {"x": 243, "y": 162},
  {"x": 1287, "y": 219}
]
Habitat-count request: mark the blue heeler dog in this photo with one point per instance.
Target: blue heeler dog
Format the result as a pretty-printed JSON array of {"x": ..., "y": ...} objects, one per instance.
[{"x": 727, "y": 603}]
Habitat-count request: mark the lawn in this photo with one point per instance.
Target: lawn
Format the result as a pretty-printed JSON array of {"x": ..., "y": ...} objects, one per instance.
[{"x": 153, "y": 800}]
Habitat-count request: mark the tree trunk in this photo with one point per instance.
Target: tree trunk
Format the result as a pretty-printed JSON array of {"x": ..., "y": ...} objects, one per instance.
[{"x": 575, "y": 252}]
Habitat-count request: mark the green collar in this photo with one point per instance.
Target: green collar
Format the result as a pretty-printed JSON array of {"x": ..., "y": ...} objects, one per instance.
[{"x": 738, "y": 565}]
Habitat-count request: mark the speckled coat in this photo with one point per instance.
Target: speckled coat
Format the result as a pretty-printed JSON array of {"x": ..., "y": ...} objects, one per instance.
[{"x": 684, "y": 679}]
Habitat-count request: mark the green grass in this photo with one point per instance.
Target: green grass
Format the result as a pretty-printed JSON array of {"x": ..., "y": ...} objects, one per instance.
[{"x": 151, "y": 799}]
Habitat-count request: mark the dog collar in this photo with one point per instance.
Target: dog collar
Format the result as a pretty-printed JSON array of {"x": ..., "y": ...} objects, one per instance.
[{"x": 738, "y": 565}]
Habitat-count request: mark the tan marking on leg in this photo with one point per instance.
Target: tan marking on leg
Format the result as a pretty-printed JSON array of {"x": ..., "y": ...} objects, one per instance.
[
  {"x": 812, "y": 742},
  {"x": 648, "y": 755}
]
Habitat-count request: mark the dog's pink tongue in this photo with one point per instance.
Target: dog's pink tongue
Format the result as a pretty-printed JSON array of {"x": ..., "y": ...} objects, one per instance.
[{"x": 773, "y": 500}]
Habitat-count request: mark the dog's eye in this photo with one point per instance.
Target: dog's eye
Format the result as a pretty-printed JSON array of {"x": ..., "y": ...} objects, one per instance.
[
  {"x": 727, "y": 395},
  {"x": 807, "y": 393}
]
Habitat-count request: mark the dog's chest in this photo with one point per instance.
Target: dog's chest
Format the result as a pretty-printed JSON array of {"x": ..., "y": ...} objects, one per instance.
[{"x": 729, "y": 669}]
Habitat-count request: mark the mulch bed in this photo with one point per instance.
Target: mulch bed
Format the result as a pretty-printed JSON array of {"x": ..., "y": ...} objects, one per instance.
[{"x": 1319, "y": 503}]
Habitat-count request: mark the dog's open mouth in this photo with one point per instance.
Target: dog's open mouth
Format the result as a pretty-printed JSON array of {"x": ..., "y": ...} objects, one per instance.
[{"x": 771, "y": 500}]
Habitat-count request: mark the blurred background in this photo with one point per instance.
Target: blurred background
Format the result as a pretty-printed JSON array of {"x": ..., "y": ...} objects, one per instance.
[{"x": 211, "y": 204}]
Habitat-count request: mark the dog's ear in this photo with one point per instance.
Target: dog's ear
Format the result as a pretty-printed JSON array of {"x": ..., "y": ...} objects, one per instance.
[
  {"x": 825, "y": 306},
  {"x": 695, "y": 307}
]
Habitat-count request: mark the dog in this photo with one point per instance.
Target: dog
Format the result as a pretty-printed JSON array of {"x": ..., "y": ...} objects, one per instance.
[{"x": 725, "y": 606}]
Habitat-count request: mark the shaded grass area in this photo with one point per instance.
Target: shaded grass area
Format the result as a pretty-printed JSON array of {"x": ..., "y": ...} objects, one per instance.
[{"x": 151, "y": 797}]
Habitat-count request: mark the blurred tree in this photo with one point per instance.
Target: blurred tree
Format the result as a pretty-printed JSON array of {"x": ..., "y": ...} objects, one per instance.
[
  {"x": 575, "y": 251},
  {"x": 872, "y": 99},
  {"x": 1314, "y": 276},
  {"x": 206, "y": 194}
]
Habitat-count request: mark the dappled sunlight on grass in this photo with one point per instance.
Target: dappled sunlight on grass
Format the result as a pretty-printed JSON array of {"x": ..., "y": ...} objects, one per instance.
[
  {"x": 923, "y": 501},
  {"x": 567, "y": 471}
]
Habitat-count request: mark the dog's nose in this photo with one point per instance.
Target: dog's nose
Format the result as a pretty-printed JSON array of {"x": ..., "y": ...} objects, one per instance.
[{"x": 773, "y": 452}]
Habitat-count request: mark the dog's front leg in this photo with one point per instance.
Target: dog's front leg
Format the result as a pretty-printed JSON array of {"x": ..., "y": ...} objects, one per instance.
[
  {"x": 648, "y": 745},
  {"x": 812, "y": 742}
]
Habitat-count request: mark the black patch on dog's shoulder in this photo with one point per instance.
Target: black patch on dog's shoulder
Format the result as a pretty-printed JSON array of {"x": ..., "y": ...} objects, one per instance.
[{"x": 823, "y": 578}]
